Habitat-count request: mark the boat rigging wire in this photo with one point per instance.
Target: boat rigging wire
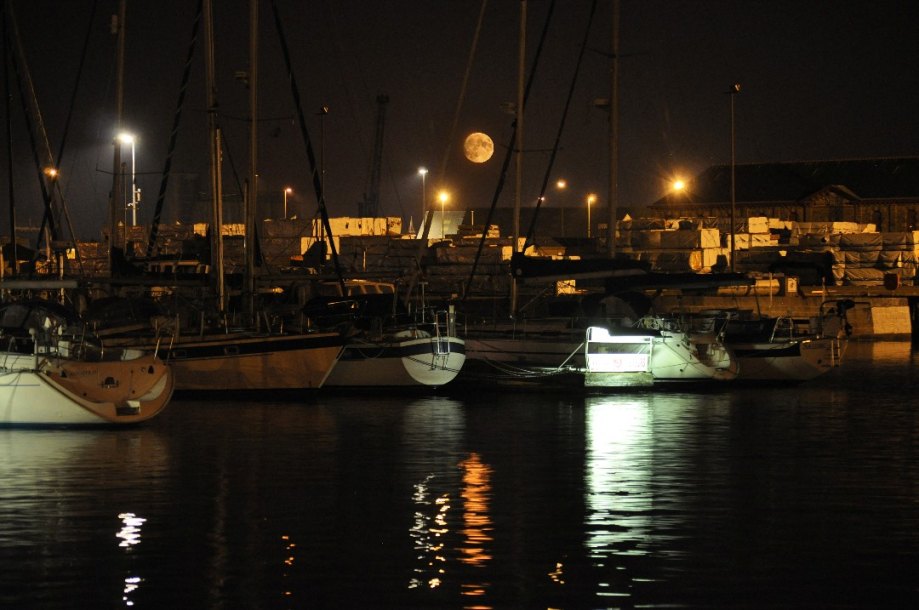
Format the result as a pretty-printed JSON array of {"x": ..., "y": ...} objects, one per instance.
[
  {"x": 427, "y": 222},
  {"x": 510, "y": 152},
  {"x": 561, "y": 128},
  {"x": 310, "y": 153},
  {"x": 35, "y": 128},
  {"x": 173, "y": 137}
]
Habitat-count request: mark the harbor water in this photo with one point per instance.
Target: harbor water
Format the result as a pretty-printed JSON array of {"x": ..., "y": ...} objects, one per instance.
[{"x": 804, "y": 496}]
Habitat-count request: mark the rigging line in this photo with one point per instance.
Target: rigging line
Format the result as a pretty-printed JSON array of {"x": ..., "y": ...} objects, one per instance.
[
  {"x": 456, "y": 114},
  {"x": 345, "y": 82},
  {"x": 428, "y": 221},
  {"x": 510, "y": 151},
  {"x": 73, "y": 97},
  {"x": 310, "y": 153},
  {"x": 22, "y": 75},
  {"x": 173, "y": 138},
  {"x": 60, "y": 151},
  {"x": 561, "y": 127}
]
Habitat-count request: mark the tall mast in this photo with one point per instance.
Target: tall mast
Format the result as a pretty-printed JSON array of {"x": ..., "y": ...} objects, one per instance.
[
  {"x": 213, "y": 148},
  {"x": 613, "y": 136},
  {"x": 519, "y": 178},
  {"x": 117, "y": 195},
  {"x": 7, "y": 93},
  {"x": 252, "y": 189}
]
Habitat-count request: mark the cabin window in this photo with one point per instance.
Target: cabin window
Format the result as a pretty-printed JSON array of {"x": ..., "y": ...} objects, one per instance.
[
  {"x": 911, "y": 220},
  {"x": 876, "y": 218}
]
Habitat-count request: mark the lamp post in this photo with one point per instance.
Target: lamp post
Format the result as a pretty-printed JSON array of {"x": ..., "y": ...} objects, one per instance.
[
  {"x": 561, "y": 185},
  {"x": 590, "y": 199},
  {"x": 733, "y": 92},
  {"x": 443, "y": 201},
  {"x": 323, "y": 111},
  {"x": 423, "y": 171},
  {"x": 287, "y": 191},
  {"x": 129, "y": 139}
]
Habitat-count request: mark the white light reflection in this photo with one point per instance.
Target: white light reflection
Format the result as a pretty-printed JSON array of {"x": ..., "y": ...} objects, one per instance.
[
  {"x": 426, "y": 532},
  {"x": 130, "y": 532},
  {"x": 130, "y": 536},
  {"x": 619, "y": 495},
  {"x": 432, "y": 525}
]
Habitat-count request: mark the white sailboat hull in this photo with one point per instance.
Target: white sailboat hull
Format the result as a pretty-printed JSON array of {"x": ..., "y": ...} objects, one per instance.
[
  {"x": 76, "y": 393},
  {"x": 423, "y": 362},
  {"x": 665, "y": 357}
]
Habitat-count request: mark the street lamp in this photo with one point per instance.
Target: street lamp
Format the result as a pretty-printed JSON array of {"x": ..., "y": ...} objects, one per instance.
[
  {"x": 443, "y": 201},
  {"x": 287, "y": 191},
  {"x": 129, "y": 139},
  {"x": 423, "y": 172},
  {"x": 733, "y": 92},
  {"x": 590, "y": 199},
  {"x": 562, "y": 185}
]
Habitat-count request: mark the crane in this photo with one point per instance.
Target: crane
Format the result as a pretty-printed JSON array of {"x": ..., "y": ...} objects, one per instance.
[{"x": 369, "y": 207}]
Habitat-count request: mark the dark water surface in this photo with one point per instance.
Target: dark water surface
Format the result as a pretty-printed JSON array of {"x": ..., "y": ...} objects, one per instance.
[{"x": 801, "y": 497}]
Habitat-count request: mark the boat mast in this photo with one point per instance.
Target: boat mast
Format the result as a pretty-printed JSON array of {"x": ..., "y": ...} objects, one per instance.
[
  {"x": 613, "y": 135},
  {"x": 214, "y": 147},
  {"x": 252, "y": 183},
  {"x": 519, "y": 135},
  {"x": 14, "y": 263},
  {"x": 118, "y": 26}
]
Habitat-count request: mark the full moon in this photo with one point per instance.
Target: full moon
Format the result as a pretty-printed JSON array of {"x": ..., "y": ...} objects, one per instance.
[{"x": 478, "y": 148}]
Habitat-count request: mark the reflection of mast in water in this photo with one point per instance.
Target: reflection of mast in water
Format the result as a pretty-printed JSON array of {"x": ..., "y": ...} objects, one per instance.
[{"x": 478, "y": 526}]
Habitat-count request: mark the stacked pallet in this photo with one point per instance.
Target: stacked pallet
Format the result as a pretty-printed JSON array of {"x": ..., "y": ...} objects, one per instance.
[
  {"x": 346, "y": 226},
  {"x": 685, "y": 245},
  {"x": 378, "y": 254},
  {"x": 864, "y": 259},
  {"x": 449, "y": 265}
]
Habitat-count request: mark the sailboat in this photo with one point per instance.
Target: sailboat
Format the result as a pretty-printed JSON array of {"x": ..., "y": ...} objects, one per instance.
[
  {"x": 222, "y": 358},
  {"x": 655, "y": 351},
  {"x": 780, "y": 348},
  {"x": 53, "y": 373},
  {"x": 386, "y": 346}
]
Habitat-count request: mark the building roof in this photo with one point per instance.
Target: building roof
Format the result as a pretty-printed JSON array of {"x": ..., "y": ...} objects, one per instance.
[{"x": 886, "y": 178}]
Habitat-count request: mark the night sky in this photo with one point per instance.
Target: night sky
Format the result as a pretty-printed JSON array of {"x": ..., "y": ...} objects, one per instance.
[{"x": 819, "y": 80}]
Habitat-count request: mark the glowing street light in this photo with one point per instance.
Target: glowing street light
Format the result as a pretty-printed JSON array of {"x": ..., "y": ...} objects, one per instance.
[
  {"x": 561, "y": 185},
  {"x": 287, "y": 191},
  {"x": 129, "y": 139},
  {"x": 590, "y": 199},
  {"x": 423, "y": 171},
  {"x": 679, "y": 185},
  {"x": 443, "y": 200}
]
